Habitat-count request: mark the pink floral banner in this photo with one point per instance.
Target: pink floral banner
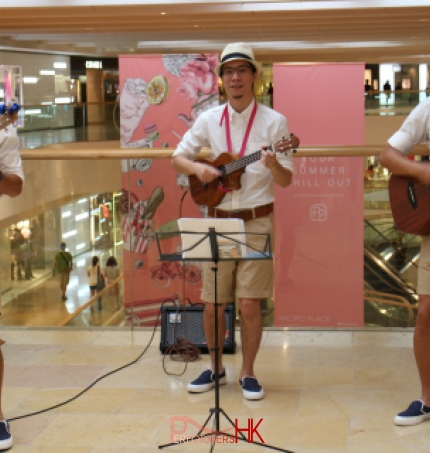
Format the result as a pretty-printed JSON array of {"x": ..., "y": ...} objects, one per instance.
[{"x": 160, "y": 98}]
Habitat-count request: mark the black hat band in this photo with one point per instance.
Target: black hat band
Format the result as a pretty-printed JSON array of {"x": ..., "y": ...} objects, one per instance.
[{"x": 236, "y": 55}]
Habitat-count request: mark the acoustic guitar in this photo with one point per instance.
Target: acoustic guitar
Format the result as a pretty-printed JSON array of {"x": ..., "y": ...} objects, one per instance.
[
  {"x": 410, "y": 204},
  {"x": 232, "y": 168}
]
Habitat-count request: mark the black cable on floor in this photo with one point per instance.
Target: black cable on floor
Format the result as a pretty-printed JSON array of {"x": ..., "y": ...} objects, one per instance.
[
  {"x": 101, "y": 377},
  {"x": 185, "y": 350}
]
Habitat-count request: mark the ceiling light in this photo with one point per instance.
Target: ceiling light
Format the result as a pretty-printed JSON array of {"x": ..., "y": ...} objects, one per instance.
[
  {"x": 47, "y": 72},
  {"x": 65, "y": 100},
  {"x": 278, "y": 45},
  {"x": 30, "y": 79},
  {"x": 60, "y": 65},
  {"x": 33, "y": 111}
]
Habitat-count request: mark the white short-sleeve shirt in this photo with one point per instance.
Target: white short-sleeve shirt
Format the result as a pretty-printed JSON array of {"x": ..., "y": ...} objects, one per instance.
[{"x": 414, "y": 130}]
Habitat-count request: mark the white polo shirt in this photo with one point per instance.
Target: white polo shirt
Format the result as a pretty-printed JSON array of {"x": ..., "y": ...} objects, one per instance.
[
  {"x": 10, "y": 159},
  {"x": 414, "y": 130},
  {"x": 268, "y": 127}
]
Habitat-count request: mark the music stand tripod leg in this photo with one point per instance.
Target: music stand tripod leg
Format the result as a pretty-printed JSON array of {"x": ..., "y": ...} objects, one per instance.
[{"x": 216, "y": 410}]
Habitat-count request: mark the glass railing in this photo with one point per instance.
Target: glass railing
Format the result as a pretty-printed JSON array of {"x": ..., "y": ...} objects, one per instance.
[
  {"x": 79, "y": 115},
  {"x": 80, "y": 203},
  {"x": 71, "y": 209},
  {"x": 106, "y": 115},
  {"x": 399, "y": 102}
]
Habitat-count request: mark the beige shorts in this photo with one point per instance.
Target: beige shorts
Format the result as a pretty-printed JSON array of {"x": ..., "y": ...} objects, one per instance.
[
  {"x": 63, "y": 278},
  {"x": 423, "y": 286},
  {"x": 251, "y": 279}
]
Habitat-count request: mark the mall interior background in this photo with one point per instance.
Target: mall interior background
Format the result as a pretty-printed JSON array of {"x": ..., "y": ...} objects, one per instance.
[{"x": 76, "y": 93}]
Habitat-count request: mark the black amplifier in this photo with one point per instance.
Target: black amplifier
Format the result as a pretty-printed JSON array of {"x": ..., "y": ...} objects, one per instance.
[{"x": 186, "y": 322}]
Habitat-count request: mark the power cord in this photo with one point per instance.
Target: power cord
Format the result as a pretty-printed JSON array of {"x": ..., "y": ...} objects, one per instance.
[
  {"x": 101, "y": 377},
  {"x": 182, "y": 350}
]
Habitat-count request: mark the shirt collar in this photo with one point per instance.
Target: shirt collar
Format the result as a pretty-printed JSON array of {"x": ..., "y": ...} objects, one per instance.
[{"x": 245, "y": 114}]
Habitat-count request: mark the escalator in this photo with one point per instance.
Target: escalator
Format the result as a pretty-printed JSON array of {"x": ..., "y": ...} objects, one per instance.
[
  {"x": 390, "y": 272},
  {"x": 380, "y": 275}
]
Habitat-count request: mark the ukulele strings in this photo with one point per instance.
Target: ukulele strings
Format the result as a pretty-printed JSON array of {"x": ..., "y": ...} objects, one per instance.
[{"x": 242, "y": 162}]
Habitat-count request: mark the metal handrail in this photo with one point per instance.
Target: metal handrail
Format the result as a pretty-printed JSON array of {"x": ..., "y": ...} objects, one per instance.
[
  {"x": 111, "y": 149},
  {"x": 90, "y": 301},
  {"x": 375, "y": 296}
]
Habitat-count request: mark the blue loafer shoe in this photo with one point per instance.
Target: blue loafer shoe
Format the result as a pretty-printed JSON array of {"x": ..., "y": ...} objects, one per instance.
[
  {"x": 206, "y": 382},
  {"x": 251, "y": 388},
  {"x": 416, "y": 413}
]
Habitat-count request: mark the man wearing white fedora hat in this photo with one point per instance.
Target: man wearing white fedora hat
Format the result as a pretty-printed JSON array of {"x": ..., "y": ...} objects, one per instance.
[{"x": 240, "y": 127}]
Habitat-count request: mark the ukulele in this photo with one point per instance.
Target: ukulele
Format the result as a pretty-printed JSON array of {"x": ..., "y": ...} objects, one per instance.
[
  {"x": 410, "y": 204},
  {"x": 232, "y": 168}
]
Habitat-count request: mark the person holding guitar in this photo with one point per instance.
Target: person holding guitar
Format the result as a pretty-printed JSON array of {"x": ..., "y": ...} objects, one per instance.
[
  {"x": 236, "y": 131},
  {"x": 415, "y": 130},
  {"x": 11, "y": 183}
]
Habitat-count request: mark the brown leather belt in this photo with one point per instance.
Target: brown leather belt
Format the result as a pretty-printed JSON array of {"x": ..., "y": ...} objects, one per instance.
[{"x": 244, "y": 214}]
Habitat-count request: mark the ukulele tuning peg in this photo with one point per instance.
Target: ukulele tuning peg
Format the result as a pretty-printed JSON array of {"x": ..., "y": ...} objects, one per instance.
[
  {"x": 14, "y": 108},
  {"x": 11, "y": 110}
]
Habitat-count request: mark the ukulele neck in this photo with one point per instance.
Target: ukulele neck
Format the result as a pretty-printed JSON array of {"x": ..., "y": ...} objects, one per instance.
[{"x": 231, "y": 167}]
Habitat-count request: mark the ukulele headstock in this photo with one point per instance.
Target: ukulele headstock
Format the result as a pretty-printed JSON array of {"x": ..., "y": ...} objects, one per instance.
[{"x": 8, "y": 115}]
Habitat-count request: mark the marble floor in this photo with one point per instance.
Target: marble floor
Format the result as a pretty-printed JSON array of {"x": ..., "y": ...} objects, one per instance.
[{"x": 326, "y": 392}]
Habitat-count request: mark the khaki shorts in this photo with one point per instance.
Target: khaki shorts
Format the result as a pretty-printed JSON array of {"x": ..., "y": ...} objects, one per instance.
[
  {"x": 251, "y": 279},
  {"x": 63, "y": 278},
  {"x": 423, "y": 286}
]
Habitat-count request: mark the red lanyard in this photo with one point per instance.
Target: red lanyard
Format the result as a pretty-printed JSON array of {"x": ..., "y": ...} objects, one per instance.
[{"x": 225, "y": 116}]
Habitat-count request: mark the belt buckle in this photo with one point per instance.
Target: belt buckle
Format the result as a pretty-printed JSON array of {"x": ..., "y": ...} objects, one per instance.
[{"x": 233, "y": 214}]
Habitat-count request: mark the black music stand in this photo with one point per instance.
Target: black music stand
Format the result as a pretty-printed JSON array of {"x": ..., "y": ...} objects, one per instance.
[{"x": 215, "y": 412}]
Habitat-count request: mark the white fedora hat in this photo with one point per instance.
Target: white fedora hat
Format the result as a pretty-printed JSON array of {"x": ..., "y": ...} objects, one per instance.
[{"x": 238, "y": 51}]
